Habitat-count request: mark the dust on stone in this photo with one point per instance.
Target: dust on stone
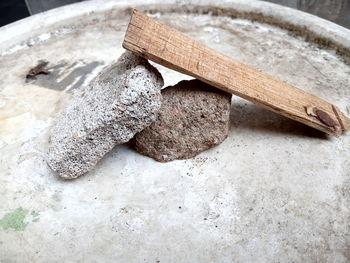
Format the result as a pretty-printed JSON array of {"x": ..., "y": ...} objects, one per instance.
[{"x": 121, "y": 101}]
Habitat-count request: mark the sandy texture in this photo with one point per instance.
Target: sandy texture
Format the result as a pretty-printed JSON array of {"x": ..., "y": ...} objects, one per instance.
[
  {"x": 122, "y": 100},
  {"x": 194, "y": 117}
]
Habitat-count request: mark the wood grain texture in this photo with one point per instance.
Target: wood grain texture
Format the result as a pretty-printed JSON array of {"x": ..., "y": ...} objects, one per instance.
[{"x": 170, "y": 48}]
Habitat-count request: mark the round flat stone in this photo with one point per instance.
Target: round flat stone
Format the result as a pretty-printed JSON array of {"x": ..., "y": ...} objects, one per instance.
[{"x": 194, "y": 117}]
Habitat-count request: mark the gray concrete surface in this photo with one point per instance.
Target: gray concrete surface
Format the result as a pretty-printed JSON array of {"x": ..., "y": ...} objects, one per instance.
[
  {"x": 274, "y": 191},
  {"x": 337, "y": 11}
]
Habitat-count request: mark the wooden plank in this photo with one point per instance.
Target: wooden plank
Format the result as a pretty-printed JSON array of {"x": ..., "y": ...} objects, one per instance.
[{"x": 164, "y": 45}]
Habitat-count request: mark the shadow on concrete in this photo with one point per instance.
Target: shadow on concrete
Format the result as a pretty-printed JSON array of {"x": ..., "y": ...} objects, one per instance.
[{"x": 253, "y": 118}]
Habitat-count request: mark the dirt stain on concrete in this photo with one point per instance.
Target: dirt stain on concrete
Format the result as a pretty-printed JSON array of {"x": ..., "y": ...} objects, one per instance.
[{"x": 35, "y": 216}]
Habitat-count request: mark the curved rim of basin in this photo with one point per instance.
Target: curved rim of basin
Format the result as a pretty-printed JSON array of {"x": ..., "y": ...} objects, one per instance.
[{"x": 314, "y": 28}]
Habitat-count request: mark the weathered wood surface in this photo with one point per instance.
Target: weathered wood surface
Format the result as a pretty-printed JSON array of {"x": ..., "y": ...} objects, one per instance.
[{"x": 169, "y": 47}]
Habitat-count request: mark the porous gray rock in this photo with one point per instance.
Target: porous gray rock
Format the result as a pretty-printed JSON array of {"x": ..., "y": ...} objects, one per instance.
[
  {"x": 193, "y": 117},
  {"x": 121, "y": 101}
]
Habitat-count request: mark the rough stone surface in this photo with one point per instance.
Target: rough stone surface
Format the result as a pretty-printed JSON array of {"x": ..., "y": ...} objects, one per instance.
[
  {"x": 121, "y": 101},
  {"x": 194, "y": 117}
]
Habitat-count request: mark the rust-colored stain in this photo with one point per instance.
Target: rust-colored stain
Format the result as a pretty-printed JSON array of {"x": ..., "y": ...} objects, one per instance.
[
  {"x": 325, "y": 118},
  {"x": 38, "y": 69},
  {"x": 321, "y": 115}
]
